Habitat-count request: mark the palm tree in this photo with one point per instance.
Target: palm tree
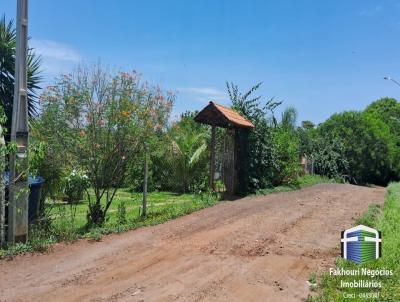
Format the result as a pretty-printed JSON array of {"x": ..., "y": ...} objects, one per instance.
[
  {"x": 186, "y": 157},
  {"x": 289, "y": 117},
  {"x": 189, "y": 158},
  {"x": 7, "y": 71}
]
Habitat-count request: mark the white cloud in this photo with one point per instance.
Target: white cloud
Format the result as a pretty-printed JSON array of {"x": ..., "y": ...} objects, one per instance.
[
  {"x": 57, "y": 58},
  {"x": 204, "y": 94},
  {"x": 55, "y": 50}
]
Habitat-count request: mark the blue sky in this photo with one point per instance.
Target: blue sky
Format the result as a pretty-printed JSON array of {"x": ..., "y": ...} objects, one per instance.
[{"x": 318, "y": 56}]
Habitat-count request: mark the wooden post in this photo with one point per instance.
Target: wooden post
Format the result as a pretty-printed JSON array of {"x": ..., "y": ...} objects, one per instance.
[
  {"x": 234, "y": 171},
  {"x": 145, "y": 181},
  {"x": 212, "y": 158}
]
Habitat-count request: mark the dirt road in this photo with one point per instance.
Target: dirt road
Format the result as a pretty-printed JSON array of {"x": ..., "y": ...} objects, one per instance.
[{"x": 253, "y": 249}]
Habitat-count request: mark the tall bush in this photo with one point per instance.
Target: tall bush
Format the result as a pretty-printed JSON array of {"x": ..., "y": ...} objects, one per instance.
[
  {"x": 286, "y": 144},
  {"x": 255, "y": 152},
  {"x": 96, "y": 121},
  {"x": 368, "y": 144}
]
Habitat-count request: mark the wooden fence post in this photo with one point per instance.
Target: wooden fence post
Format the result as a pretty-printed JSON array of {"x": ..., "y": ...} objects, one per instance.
[{"x": 145, "y": 180}]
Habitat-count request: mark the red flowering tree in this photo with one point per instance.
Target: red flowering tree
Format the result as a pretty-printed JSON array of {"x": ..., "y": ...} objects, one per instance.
[{"x": 99, "y": 122}]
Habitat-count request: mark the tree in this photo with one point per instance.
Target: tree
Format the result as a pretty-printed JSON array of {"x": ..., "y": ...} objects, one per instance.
[
  {"x": 95, "y": 116},
  {"x": 307, "y": 125},
  {"x": 289, "y": 117},
  {"x": 154, "y": 108},
  {"x": 7, "y": 71},
  {"x": 368, "y": 145},
  {"x": 187, "y": 156},
  {"x": 286, "y": 144},
  {"x": 256, "y": 152},
  {"x": 328, "y": 154},
  {"x": 306, "y": 135},
  {"x": 388, "y": 111}
]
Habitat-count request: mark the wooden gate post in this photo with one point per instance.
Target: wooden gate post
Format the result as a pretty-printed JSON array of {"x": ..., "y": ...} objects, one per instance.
[
  {"x": 212, "y": 158},
  {"x": 221, "y": 116}
]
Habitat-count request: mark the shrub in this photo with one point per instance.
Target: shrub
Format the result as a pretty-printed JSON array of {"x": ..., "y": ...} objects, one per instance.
[
  {"x": 329, "y": 158},
  {"x": 95, "y": 234},
  {"x": 286, "y": 144},
  {"x": 121, "y": 213},
  {"x": 75, "y": 185},
  {"x": 367, "y": 145}
]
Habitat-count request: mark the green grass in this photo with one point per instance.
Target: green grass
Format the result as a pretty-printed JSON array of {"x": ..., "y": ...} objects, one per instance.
[
  {"x": 301, "y": 182},
  {"x": 387, "y": 220},
  {"x": 131, "y": 202},
  {"x": 68, "y": 222},
  {"x": 370, "y": 217}
]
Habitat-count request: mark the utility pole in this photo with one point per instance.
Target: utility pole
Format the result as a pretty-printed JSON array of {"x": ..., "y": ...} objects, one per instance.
[
  {"x": 18, "y": 181},
  {"x": 2, "y": 192}
]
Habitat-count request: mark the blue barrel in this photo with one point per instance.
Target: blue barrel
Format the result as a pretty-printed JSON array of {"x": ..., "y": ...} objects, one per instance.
[{"x": 35, "y": 190}]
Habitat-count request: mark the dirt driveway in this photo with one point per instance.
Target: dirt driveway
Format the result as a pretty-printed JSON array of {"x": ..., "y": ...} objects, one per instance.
[{"x": 253, "y": 249}]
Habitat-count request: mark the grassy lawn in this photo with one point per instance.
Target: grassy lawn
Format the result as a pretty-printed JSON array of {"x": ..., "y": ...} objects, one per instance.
[
  {"x": 68, "y": 222},
  {"x": 131, "y": 201},
  {"x": 158, "y": 203},
  {"x": 386, "y": 220}
]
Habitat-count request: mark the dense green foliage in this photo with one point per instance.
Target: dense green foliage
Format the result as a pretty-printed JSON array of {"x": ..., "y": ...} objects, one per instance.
[
  {"x": 356, "y": 146},
  {"x": 186, "y": 159},
  {"x": 363, "y": 146},
  {"x": 268, "y": 154},
  {"x": 328, "y": 156}
]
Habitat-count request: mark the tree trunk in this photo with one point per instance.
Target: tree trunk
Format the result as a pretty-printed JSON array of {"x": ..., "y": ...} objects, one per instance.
[
  {"x": 145, "y": 180},
  {"x": 2, "y": 192}
]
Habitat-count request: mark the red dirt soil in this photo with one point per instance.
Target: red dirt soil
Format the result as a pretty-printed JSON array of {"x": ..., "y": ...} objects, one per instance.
[{"x": 254, "y": 249}]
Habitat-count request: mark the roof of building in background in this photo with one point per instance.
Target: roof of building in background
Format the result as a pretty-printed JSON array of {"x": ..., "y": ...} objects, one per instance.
[{"x": 221, "y": 116}]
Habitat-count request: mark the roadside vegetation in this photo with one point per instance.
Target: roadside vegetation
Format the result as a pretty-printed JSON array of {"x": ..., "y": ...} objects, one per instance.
[
  {"x": 386, "y": 220},
  {"x": 113, "y": 159},
  {"x": 67, "y": 222},
  {"x": 301, "y": 182}
]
